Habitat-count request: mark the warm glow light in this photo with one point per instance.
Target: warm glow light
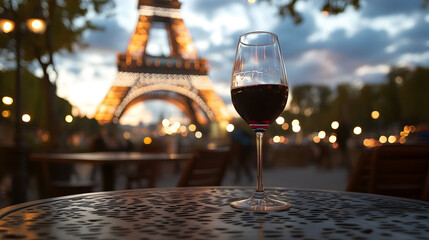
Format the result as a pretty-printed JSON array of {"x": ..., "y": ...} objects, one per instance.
[
  {"x": 126, "y": 135},
  {"x": 276, "y": 139},
  {"x": 322, "y": 134},
  {"x": 402, "y": 140},
  {"x": 391, "y": 139},
  {"x": 370, "y": 143},
  {"x": 147, "y": 140},
  {"x": 251, "y": 1},
  {"x": 375, "y": 114},
  {"x": 325, "y": 13},
  {"x": 45, "y": 137},
  {"x": 182, "y": 129},
  {"x": 36, "y": 25},
  {"x": 366, "y": 142},
  {"x": 198, "y": 134},
  {"x": 280, "y": 120},
  {"x": 335, "y": 125},
  {"x": 192, "y": 127},
  {"x": 296, "y": 128},
  {"x": 357, "y": 130},
  {"x": 285, "y": 126},
  {"x": 7, "y": 100},
  {"x": 332, "y": 138},
  {"x": 7, "y": 25},
  {"x": 382, "y": 139},
  {"x": 316, "y": 139},
  {"x": 69, "y": 118},
  {"x": 5, "y": 113},
  {"x": 165, "y": 122},
  {"x": 211, "y": 146},
  {"x": 295, "y": 122},
  {"x": 26, "y": 118},
  {"x": 190, "y": 48},
  {"x": 229, "y": 127}
]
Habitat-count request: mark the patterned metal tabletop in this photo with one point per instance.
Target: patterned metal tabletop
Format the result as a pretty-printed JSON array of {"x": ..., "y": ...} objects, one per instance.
[{"x": 204, "y": 213}]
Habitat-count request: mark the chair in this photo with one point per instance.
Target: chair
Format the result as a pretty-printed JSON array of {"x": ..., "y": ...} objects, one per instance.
[
  {"x": 56, "y": 180},
  {"x": 145, "y": 175},
  {"x": 394, "y": 170},
  {"x": 206, "y": 168}
]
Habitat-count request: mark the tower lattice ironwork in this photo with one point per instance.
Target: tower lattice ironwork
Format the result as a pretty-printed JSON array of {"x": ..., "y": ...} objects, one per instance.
[{"x": 180, "y": 78}]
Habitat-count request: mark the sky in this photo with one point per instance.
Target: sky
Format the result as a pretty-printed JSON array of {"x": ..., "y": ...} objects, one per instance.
[{"x": 354, "y": 47}]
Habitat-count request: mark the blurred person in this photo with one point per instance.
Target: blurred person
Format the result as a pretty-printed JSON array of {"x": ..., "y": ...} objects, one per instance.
[
  {"x": 323, "y": 158},
  {"x": 343, "y": 134},
  {"x": 242, "y": 149},
  {"x": 99, "y": 142}
]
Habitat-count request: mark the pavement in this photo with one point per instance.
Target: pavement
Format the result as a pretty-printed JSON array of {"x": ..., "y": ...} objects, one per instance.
[{"x": 307, "y": 177}]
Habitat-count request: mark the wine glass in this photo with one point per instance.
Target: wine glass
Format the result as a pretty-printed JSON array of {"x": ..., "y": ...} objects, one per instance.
[{"x": 259, "y": 92}]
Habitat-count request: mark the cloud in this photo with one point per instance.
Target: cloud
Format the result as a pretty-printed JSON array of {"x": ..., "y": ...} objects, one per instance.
[{"x": 379, "y": 8}]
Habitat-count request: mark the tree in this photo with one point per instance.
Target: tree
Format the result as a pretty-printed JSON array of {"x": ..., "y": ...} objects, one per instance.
[
  {"x": 67, "y": 21},
  {"x": 286, "y": 8},
  {"x": 312, "y": 100},
  {"x": 414, "y": 97}
]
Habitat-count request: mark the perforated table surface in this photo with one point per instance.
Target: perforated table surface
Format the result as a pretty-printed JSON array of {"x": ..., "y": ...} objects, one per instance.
[{"x": 204, "y": 213}]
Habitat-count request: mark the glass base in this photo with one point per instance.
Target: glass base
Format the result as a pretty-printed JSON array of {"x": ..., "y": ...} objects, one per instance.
[{"x": 260, "y": 201}]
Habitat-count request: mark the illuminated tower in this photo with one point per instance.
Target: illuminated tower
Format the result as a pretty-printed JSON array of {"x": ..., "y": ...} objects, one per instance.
[{"x": 178, "y": 75}]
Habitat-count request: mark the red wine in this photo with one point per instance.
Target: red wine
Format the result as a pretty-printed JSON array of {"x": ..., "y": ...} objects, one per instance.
[{"x": 261, "y": 104}]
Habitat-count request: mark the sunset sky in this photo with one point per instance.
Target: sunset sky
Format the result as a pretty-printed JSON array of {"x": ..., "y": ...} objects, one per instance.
[{"x": 354, "y": 47}]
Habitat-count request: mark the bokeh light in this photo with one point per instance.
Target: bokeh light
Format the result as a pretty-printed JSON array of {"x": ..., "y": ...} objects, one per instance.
[
  {"x": 147, "y": 140},
  {"x": 5, "y": 113},
  {"x": 357, "y": 130},
  {"x": 36, "y": 25},
  {"x": 316, "y": 139},
  {"x": 165, "y": 122},
  {"x": 126, "y": 135},
  {"x": 230, "y": 127},
  {"x": 295, "y": 122},
  {"x": 69, "y": 118},
  {"x": 7, "y": 100},
  {"x": 7, "y": 25},
  {"x": 192, "y": 127},
  {"x": 285, "y": 126},
  {"x": 375, "y": 114},
  {"x": 26, "y": 118},
  {"x": 296, "y": 128}
]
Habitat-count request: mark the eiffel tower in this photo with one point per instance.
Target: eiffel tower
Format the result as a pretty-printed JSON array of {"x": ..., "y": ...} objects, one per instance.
[{"x": 180, "y": 78}]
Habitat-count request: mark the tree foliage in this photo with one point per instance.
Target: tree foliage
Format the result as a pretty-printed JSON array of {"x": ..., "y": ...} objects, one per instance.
[
  {"x": 67, "y": 21},
  {"x": 287, "y": 8},
  {"x": 401, "y": 99}
]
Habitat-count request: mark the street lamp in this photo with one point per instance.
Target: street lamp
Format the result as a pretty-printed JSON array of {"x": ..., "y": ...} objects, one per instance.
[{"x": 7, "y": 25}]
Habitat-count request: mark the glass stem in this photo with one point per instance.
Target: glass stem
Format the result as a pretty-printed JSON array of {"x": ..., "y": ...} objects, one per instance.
[{"x": 260, "y": 182}]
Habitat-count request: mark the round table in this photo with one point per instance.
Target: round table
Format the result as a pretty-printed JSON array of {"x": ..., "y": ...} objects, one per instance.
[{"x": 204, "y": 213}]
